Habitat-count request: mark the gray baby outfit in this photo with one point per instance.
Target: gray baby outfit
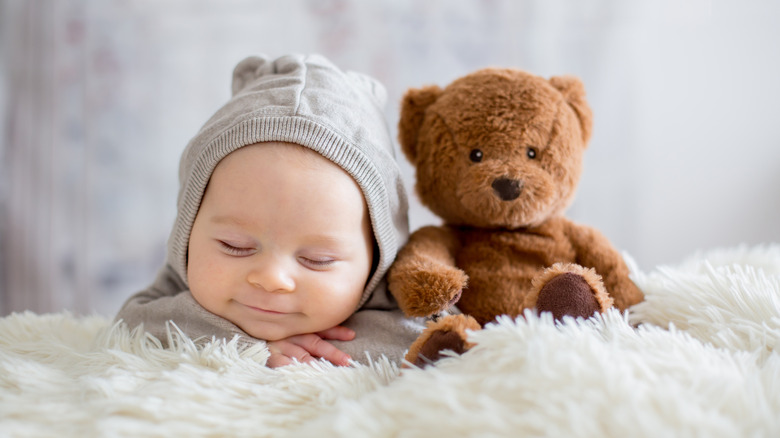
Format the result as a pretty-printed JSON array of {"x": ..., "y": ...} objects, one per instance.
[{"x": 308, "y": 101}]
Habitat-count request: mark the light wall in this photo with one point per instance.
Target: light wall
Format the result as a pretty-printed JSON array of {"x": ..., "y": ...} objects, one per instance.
[{"x": 102, "y": 96}]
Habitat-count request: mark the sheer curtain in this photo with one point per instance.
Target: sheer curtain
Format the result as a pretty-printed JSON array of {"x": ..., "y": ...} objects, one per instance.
[
  {"x": 100, "y": 98},
  {"x": 37, "y": 257},
  {"x": 83, "y": 215}
]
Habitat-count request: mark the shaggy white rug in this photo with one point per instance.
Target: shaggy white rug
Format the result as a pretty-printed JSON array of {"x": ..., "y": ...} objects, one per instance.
[{"x": 703, "y": 361}]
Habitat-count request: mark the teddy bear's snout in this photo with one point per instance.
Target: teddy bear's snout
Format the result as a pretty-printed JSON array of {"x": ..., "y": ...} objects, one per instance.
[{"x": 506, "y": 188}]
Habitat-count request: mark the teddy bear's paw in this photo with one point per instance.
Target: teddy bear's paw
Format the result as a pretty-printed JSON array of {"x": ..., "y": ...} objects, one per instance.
[
  {"x": 424, "y": 292},
  {"x": 446, "y": 334},
  {"x": 438, "y": 342},
  {"x": 571, "y": 290},
  {"x": 567, "y": 294}
]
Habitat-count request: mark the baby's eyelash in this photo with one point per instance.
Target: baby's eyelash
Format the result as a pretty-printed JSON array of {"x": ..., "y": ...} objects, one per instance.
[
  {"x": 233, "y": 250},
  {"x": 324, "y": 263}
]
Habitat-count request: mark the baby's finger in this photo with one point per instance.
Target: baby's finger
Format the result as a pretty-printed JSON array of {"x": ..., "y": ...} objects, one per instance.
[
  {"x": 338, "y": 333},
  {"x": 318, "y": 347},
  {"x": 277, "y": 360},
  {"x": 285, "y": 352}
]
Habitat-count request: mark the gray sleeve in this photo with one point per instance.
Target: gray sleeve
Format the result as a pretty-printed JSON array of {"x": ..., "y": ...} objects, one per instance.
[
  {"x": 380, "y": 333},
  {"x": 168, "y": 299}
]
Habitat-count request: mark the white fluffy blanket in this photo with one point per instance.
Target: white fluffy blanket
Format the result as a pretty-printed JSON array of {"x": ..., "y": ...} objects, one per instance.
[{"x": 703, "y": 361}]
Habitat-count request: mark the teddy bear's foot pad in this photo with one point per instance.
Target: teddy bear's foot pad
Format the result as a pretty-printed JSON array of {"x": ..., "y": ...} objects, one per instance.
[
  {"x": 447, "y": 333},
  {"x": 430, "y": 352},
  {"x": 568, "y": 294}
]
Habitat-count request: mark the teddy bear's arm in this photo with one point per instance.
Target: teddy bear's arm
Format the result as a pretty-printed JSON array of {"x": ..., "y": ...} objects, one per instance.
[
  {"x": 424, "y": 279},
  {"x": 594, "y": 250}
]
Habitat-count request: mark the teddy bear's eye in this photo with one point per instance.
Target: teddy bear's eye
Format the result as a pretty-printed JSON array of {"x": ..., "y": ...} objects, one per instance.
[
  {"x": 532, "y": 153},
  {"x": 476, "y": 155}
]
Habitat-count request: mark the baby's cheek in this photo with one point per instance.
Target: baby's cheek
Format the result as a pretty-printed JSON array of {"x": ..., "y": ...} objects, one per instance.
[
  {"x": 334, "y": 298},
  {"x": 205, "y": 282},
  {"x": 351, "y": 293}
]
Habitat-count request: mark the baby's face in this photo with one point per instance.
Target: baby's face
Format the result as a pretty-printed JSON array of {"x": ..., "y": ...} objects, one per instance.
[{"x": 281, "y": 244}]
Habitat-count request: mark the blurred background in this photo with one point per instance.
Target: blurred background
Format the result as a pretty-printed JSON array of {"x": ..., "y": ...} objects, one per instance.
[{"x": 99, "y": 98}]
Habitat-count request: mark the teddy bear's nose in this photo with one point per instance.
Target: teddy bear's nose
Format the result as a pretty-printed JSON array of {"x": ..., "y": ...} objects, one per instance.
[{"x": 507, "y": 189}]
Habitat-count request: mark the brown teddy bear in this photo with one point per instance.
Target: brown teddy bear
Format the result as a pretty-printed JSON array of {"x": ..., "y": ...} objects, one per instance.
[{"x": 498, "y": 155}]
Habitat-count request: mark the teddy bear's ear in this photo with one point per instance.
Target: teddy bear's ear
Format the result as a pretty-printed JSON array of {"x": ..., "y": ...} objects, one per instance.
[
  {"x": 574, "y": 93},
  {"x": 413, "y": 106}
]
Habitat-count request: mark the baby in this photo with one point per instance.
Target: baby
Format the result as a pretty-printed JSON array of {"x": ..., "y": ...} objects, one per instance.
[{"x": 291, "y": 209}]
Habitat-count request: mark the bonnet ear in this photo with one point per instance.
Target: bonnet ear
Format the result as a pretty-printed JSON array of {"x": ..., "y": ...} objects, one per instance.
[
  {"x": 573, "y": 92},
  {"x": 413, "y": 106},
  {"x": 248, "y": 70}
]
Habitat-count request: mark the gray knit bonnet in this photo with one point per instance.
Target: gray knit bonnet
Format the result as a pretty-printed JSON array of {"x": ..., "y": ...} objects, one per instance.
[{"x": 302, "y": 99}]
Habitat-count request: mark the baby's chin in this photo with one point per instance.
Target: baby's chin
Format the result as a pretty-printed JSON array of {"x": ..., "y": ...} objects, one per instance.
[
  {"x": 269, "y": 332},
  {"x": 278, "y": 333},
  {"x": 285, "y": 328}
]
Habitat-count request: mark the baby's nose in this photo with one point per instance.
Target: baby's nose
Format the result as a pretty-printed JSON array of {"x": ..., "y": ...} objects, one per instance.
[{"x": 271, "y": 277}]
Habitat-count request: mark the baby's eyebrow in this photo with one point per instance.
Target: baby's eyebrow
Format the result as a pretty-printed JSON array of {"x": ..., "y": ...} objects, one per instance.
[
  {"x": 227, "y": 220},
  {"x": 325, "y": 240}
]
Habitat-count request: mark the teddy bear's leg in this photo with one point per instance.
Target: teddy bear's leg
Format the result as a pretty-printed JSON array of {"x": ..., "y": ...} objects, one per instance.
[
  {"x": 448, "y": 333},
  {"x": 569, "y": 289}
]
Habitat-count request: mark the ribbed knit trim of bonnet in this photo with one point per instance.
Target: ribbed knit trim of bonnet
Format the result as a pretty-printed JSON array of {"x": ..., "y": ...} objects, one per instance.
[{"x": 302, "y": 99}]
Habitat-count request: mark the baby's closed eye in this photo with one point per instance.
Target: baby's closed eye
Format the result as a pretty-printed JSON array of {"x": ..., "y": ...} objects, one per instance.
[
  {"x": 317, "y": 262},
  {"x": 236, "y": 249}
]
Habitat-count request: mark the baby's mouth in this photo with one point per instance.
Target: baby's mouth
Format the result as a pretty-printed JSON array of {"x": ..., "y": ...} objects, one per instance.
[{"x": 265, "y": 311}]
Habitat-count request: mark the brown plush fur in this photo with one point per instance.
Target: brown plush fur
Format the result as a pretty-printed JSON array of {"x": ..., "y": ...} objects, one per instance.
[
  {"x": 498, "y": 156},
  {"x": 446, "y": 333}
]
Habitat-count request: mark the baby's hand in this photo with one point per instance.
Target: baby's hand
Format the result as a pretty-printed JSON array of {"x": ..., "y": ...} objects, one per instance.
[{"x": 308, "y": 347}]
